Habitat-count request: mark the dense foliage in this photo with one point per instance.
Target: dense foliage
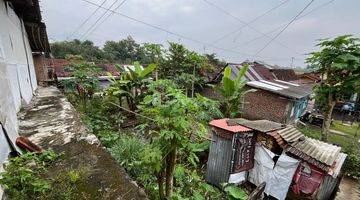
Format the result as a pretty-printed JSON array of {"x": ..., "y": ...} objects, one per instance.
[
  {"x": 29, "y": 177},
  {"x": 86, "y": 49},
  {"x": 22, "y": 179},
  {"x": 233, "y": 92},
  {"x": 339, "y": 64},
  {"x": 141, "y": 150},
  {"x": 131, "y": 84},
  {"x": 176, "y": 129}
]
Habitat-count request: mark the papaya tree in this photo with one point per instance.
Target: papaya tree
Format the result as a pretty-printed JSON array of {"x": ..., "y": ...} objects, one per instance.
[
  {"x": 176, "y": 126},
  {"x": 233, "y": 91},
  {"x": 338, "y": 62}
]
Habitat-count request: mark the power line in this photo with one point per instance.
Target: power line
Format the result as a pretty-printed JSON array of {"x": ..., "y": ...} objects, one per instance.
[
  {"x": 107, "y": 17},
  {"x": 252, "y": 21},
  {"x": 277, "y": 35},
  {"x": 175, "y": 34},
  {"x": 99, "y": 18},
  {"x": 86, "y": 20},
  {"x": 243, "y": 22},
  {"x": 282, "y": 25}
]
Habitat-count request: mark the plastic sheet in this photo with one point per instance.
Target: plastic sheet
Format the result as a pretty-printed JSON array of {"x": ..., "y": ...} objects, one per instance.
[{"x": 278, "y": 176}]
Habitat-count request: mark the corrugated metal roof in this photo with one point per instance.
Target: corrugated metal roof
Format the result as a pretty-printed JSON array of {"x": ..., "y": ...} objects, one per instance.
[
  {"x": 259, "y": 125},
  {"x": 291, "y": 134},
  {"x": 307, "y": 148},
  {"x": 321, "y": 151},
  {"x": 222, "y": 123},
  {"x": 338, "y": 165},
  {"x": 282, "y": 88}
]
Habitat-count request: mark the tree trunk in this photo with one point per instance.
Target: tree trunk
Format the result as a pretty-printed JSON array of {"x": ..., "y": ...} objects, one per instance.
[
  {"x": 327, "y": 118},
  {"x": 160, "y": 180},
  {"x": 170, "y": 168}
]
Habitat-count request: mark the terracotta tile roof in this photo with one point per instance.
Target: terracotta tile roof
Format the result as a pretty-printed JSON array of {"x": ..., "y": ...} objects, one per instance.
[
  {"x": 284, "y": 74},
  {"x": 223, "y": 124}
]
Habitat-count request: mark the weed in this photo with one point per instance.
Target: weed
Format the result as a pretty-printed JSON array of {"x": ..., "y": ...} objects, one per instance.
[{"x": 23, "y": 176}]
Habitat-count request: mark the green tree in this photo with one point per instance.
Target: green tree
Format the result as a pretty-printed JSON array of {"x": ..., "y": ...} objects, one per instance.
[
  {"x": 85, "y": 49},
  {"x": 176, "y": 127},
  {"x": 233, "y": 91},
  {"x": 184, "y": 67},
  {"x": 124, "y": 51},
  {"x": 213, "y": 60},
  {"x": 338, "y": 61}
]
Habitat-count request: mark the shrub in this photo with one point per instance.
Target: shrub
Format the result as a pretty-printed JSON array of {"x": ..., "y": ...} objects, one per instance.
[
  {"x": 23, "y": 176},
  {"x": 127, "y": 151}
]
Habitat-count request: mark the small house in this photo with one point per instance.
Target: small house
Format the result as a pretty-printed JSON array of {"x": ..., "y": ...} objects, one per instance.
[
  {"x": 276, "y": 100},
  {"x": 259, "y": 151},
  {"x": 231, "y": 153},
  {"x": 278, "y": 96}
]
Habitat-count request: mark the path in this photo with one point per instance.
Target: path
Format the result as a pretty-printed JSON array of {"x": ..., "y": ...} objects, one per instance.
[
  {"x": 332, "y": 131},
  {"x": 349, "y": 190},
  {"x": 52, "y": 122}
]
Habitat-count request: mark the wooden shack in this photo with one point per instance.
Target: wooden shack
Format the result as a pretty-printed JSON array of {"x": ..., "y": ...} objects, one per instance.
[
  {"x": 231, "y": 153},
  {"x": 289, "y": 162}
]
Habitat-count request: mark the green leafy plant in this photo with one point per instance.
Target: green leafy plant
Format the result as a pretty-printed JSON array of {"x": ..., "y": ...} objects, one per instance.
[
  {"x": 184, "y": 67},
  {"x": 235, "y": 192},
  {"x": 23, "y": 179},
  {"x": 127, "y": 151},
  {"x": 84, "y": 80},
  {"x": 339, "y": 64},
  {"x": 175, "y": 128},
  {"x": 131, "y": 84},
  {"x": 233, "y": 91}
]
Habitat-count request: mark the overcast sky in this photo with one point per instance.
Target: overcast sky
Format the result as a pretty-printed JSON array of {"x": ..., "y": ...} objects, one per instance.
[{"x": 204, "y": 23}]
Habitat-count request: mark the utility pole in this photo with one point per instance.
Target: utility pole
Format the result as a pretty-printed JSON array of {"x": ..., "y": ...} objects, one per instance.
[{"x": 292, "y": 62}]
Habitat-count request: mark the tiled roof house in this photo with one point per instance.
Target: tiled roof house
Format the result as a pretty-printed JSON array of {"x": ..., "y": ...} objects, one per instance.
[{"x": 278, "y": 97}]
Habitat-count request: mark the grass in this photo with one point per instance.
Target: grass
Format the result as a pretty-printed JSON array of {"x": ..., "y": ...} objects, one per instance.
[
  {"x": 350, "y": 130},
  {"x": 343, "y": 141}
]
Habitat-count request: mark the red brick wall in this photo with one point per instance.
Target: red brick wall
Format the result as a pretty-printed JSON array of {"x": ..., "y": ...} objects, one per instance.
[
  {"x": 40, "y": 69},
  {"x": 265, "y": 105},
  {"x": 211, "y": 93}
]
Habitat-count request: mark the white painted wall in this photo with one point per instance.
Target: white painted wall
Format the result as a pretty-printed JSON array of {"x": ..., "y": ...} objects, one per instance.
[{"x": 16, "y": 83}]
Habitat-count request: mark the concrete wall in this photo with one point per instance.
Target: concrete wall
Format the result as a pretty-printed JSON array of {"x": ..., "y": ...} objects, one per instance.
[{"x": 17, "y": 73}]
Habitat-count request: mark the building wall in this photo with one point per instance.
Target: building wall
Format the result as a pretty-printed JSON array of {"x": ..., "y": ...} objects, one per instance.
[
  {"x": 219, "y": 161},
  {"x": 265, "y": 105},
  {"x": 17, "y": 73},
  {"x": 39, "y": 68}
]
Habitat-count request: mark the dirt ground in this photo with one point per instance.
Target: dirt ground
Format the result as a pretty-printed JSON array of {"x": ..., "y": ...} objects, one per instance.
[{"x": 349, "y": 190}]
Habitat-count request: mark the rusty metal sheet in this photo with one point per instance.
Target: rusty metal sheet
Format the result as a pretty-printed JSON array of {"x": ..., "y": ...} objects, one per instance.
[{"x": 244, "y": 146}]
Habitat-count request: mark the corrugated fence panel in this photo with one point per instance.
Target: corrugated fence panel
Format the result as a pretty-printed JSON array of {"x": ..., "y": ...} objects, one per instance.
[
  {"x": 327, "y": 187},
  {"x": 219, "y": 162}
]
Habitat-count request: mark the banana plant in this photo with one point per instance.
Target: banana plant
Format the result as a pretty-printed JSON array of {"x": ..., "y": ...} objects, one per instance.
[
  {"x": 233, "y": 91},
  {"x": 131, "y": 84}
]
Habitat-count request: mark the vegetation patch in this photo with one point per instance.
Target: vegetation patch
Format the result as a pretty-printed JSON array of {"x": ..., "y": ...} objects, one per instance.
[{"x": 26, "y": 177}]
